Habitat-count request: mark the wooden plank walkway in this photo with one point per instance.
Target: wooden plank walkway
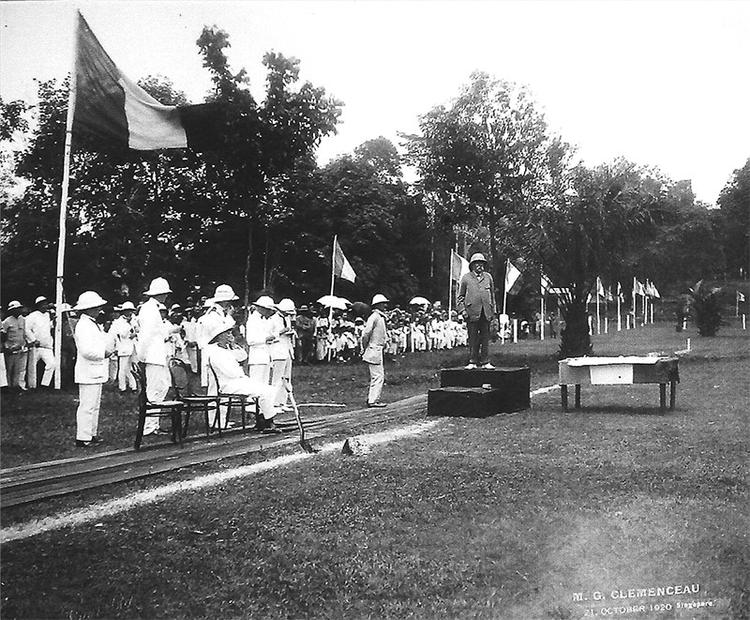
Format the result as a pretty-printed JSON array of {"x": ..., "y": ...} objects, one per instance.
[{"x": 29, "y": 483}]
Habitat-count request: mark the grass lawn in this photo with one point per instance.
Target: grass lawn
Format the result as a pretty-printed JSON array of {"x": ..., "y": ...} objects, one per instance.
[{"x": 541, "y": 514}]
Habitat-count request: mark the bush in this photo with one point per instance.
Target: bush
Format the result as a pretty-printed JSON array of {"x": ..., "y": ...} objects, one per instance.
[{"x": 704, "y": 301}]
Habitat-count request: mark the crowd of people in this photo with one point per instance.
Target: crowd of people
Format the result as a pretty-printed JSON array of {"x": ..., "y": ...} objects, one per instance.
[{"x": 263, "y": 339}]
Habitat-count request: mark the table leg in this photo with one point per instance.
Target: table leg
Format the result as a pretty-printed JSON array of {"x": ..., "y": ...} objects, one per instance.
[
  {"x": 662, "y": 396},
  {"x": 672, "y": 393},
  {"x": 564, "y": 396},
  {"x": 578, "y": 395}
]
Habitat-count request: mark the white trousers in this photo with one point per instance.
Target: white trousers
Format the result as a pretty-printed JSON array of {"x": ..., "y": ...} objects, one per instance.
[
  {"x": 125, "y": 378},
  {"x": 47, "y": 357},
  {"x": 282, "y": 369},
  {"x": 87, "y": 416},
  {"x": 259, "y": 373},
  {"x": 16, "y": 367},
  {"x": 377, "y": 379},
  {"x": 157, "y": 385}
]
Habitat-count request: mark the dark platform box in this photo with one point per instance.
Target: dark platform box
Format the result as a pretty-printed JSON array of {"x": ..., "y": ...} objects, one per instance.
[{"x": 461, "y": 392}]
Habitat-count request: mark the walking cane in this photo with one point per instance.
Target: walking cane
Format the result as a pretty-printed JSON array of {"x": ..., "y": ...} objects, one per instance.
[{"x": 302, "y": 441}]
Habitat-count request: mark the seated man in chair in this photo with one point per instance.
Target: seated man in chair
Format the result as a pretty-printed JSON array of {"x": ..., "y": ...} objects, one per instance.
[{"x": 223, "y": 356}]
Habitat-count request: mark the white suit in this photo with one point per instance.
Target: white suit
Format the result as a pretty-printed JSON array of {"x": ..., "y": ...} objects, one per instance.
[
  {"x": 91, "y": 371},
  {"x": 233, "y": 381},
  {"x": 152, "y": 350},
  {"x": 257, "y": 330},
  {"x": 39, "y": 328}
]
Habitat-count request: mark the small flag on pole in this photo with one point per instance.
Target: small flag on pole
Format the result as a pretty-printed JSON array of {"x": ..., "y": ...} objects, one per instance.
[
  {"x": 341, "y": 266},
  {"x": 115, "y": 111},
  {"x": 620, "y": 296},
  {"x": 740, "y": 296},
  {"x": 459, "y": 266},
  {"x": 512, "y": 279},
  {"x": 544, "y": 284},
  {"x": 600, "y": 288}
]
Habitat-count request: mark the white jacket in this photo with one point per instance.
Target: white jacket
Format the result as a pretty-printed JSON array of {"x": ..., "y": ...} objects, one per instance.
[
  {"x": 152, "y": 335},
  {"x": 39, "y": 327},
  {"x": 94, "y": 345},
  {"x": 123, "y": 334},
  {"x": 257, "y": 330}
]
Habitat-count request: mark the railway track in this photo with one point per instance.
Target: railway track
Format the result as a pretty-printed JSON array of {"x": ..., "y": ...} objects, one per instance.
[{"x": 30, "y": 483}]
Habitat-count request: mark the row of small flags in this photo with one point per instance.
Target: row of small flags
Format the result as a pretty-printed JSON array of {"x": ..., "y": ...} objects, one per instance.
[{"x": 460, "y": 266}]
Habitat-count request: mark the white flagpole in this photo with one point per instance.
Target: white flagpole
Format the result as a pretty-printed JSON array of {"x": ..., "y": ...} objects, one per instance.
[
  {"x": 505, "y": 299},
  {"x": 598, "y": 316},
  {"x": 541, "y": 326},
  {"x": 619, "y": 317},
  {"x": 60, "y": 273},
  {"x": 333, "y": 278},
  {"x": 635, "y": 304},
  {"x": 450, "y": 285}
]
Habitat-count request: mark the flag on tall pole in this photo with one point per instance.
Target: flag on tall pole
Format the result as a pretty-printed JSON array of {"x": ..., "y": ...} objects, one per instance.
[
  {"x": 341, "y": 266},
  {"x": 512, "y": 278},
  {"x": 105, "y": 105},
  {"x": 115, "y": 110},
  {"x": 619, "y": 299},
  {"x": 544, "y": 286},
  {"x": 458, "y": 267},
  {"x": 599, "y": 295},
  {"x": 739, "y": 297}
]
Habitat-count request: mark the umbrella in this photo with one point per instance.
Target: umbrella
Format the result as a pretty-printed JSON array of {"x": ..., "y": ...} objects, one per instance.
[
  {"x": 331, "y": 301},
  {"x": 419, "y": 301}
]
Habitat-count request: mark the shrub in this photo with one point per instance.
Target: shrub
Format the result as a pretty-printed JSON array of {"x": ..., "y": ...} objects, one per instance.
[{"x": 704, "y": 301}]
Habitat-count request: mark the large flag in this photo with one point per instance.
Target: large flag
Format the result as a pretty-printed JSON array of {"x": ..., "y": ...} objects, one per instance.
[
  {"x": 544, "y": 284},
  {"x": 341, "y": 266},
  {"x": 116, "y": 111},
  {"x": 459, "y": 266},
  {"x": 512, "y": 279}
]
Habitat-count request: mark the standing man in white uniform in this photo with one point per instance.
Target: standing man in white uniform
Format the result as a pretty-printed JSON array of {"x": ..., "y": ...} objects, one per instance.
[
  {"x": 259, "y": 337},
  {"x": 94, "y": 345},
  {"x": 282, "y": 351},
  {"x": 374, "y": 339},
  {"x": 123, "y": 332},
  {"x": 152, "y": 347},
  {"x": 39, "y": 334}
]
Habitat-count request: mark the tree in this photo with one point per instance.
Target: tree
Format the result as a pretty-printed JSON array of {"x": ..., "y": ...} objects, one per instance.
[
  {"x": 586, "y": 233},
  {"x": 734, "y": 202},
  {"x": 485, "y": 161},
  {"x": 263, "y": 141},
  {"x": 704, "y": 300}
]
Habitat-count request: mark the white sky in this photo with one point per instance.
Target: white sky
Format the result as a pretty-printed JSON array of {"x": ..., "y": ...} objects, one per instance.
[{"x": 661, "y": 83}]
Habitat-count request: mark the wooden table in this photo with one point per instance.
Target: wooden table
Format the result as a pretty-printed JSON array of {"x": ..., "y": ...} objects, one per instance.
[{"x": 619, "y": 371}]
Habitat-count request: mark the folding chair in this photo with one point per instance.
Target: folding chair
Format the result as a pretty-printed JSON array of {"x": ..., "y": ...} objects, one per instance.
[
  {"x": 167, "y": 408},
  {"x": 185, "y": 393},
  {"x": 231, "y": 400}
]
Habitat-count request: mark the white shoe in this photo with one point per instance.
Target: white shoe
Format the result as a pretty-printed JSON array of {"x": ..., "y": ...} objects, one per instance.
[
  {"x": 470, "y": 366},
  {"x": 488, "y": 365}
]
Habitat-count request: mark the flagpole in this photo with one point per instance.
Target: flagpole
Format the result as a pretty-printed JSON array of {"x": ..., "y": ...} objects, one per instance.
[
  {"x": 541, "y": 327},
  {"x": 598, "y": 316},
  {"x": 333, "y": 278},
  {"x": 505, "y": 299},
  {"x": 60, "y": 272},
  {"x": 450, "y": 285},
  {"x": 619, "y": 317}
]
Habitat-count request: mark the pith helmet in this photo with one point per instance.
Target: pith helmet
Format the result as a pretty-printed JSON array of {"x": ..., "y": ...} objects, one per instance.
[
  {"x": 159, "y": 286},
  {"x": 88, "y": 300}
]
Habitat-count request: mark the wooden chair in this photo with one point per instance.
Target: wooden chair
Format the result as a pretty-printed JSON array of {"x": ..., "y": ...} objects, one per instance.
[
  {"x": 146, "y": 409},
  {"x": 192, "y": 402},
  {"x": 230, "y": 401}
]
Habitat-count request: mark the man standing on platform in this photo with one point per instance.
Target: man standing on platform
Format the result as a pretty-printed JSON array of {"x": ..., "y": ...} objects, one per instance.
[
  {"x": 476, "y": 302},
  {"x": 374, "y": 338},
  {"x": 39, "y": 335}
]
